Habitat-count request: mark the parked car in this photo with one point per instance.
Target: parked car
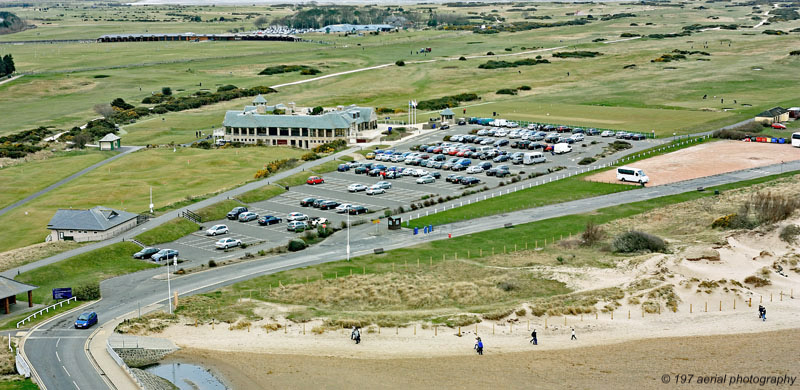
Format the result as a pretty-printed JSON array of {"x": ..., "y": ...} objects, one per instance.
[
  {"x": 426, "y": 180},
  {"x": 355, "y": 210},
  {"x": 375, "y": 190},
  {"x": 383, "y": 184},
  {"x": 577, "y": 137},
  {"x": 268, "y": 220},
  {"x": 314, "y": 180},
  {"x": 356, "y": 187},
  {"x": 296, "y": 226},
  {"x": 248, "y": 216},
  {"x": 475, "y": 169},
  {"x": 318, "y": 221},
  {"x": 295, "y": 216},
  {"x": 638, "y": 137},
  {"x": 501, "y": 158},
  {"x": 226, "y": 243},
  {"x": 164, "y": 254},
  {"x": 234, "y": 214},
  {"x": 777, "y": 125},
  {"x": 343, "y": 167},
  {"x": 607, "y": 133},
  {"x": 470, "y": 181},
  {"x": 217, "y": 229},
  {"x": 328, "y": 204},
  {"x": 86, "y": 320},
  {"x": 306, "y": 202},
  {"x": 370, "y": 156},
  {"x": 343, "y": 208},
  {"x": 360, "y": 170},
  {"x": 145, "y": 253}
]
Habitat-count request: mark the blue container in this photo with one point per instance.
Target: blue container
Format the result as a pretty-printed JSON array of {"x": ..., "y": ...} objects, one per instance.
[
  {"x": 416, "y": 231},
  {"x": 430, "y": 228},
  {"x": 781, "y": 140}
]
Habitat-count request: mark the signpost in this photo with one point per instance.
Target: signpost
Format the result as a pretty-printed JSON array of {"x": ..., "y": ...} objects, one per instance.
[{"x": 62, "y": 293}]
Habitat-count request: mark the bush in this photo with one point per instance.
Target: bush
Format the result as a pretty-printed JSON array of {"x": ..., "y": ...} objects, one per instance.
[
  {"x": 577, "y": 54},
  {"x": 723, "y": 222},
  {"x": 166, "y": 91},
  {"x": 587, "y": 161},
  {"x": 212, "y": 264},
  {"x": 592, "y": 234},
  {"x": 400, "y": 63},
  {"x": 524, "y": 88},
  {"x": 490, "y": 53},
  {"x": 462, "y": 58},
  {"x": 791, "y": 53},
  {"x": 87, "y": 292},
  {"x": 296, "y": 244},
  {"x": 507, "y": 91},
  {"x": 789, "y": 233},
  {"x": 636, "y": 241},
  {"x": 757, "y": 281},
  {"x": 303, "y": 69},
  {"x": 310, "y": 156}
]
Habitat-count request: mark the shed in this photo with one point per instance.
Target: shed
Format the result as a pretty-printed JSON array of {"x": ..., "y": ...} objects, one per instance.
[
  {"x": 95, "y": 224},
  {"x": 109, "y": 142},
  {"x": 447, "y": 115},
  {"x": 775, "y": 114},
  {"x": 794, "y": 112},
  {"x": 10, "y": 288}
]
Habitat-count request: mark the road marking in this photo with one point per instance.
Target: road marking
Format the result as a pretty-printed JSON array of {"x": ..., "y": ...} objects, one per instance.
[
  {"x": 65, "y": 370},
  {"x": 58, "y": 357},
  {"x": 76, "y": 385},
  {"x": 57, "y": 337},
  {"x": 59, "y": 340}
]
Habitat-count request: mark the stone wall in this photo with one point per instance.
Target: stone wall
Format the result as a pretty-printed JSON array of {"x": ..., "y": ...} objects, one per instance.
[
  {"x": 151, "y": 381},
  {"x": 141, "y": 357}
]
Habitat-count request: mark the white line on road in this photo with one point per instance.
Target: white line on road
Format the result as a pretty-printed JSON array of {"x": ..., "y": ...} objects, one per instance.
[
  {"x": 59, "y": 340},
  {"x": 76, "y": 385},
  {"x": 58, "y": 357},
  {"x": 65, "y": 370}
]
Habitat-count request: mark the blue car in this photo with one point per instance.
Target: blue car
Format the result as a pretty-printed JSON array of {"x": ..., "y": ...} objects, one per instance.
[
  {"x": 343, "y": 168},
  {"x": 86, "y": 320}
]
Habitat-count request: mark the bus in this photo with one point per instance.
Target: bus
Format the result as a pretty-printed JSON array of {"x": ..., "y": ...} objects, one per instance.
[
  {"x": 631, "y": 174},
  {"x": 796, "y": 140}
]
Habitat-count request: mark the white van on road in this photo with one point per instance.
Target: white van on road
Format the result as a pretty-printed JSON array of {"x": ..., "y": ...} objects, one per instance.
[
  {"x": 631, "y": 174},
  {"x": 533, "y": 158}
]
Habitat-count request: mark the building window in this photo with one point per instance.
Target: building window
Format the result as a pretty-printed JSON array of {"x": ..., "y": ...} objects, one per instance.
[
  {"x": 340, "y": 132},
  {"x": 262, "y": 131},
  {"x": 284, "y": 132},
  {"x": 273, "y": 131},
  {"x": 295, "y": 132},
  {"x": 305, "y": 132}
]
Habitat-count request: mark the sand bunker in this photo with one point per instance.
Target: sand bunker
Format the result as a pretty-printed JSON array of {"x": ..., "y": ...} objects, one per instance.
[{"x": 707, "y": 160}]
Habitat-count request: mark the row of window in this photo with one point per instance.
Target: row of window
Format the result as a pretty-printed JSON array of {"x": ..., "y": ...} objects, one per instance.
[{"x": 286, "y": 132}]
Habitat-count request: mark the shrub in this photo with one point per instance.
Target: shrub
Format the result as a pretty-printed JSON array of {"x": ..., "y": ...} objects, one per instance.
[
  {"x": 791, "y": 53},
  {"x": 723, "y": 222},
  {"x": 757, "y": 281},
  {"x": 576, "y": 54},
  {"x": 490, "y": 53},
  {"x": 310, "y": 235},
  {"x": 318, "y": 110},
  {"x": 400, "y": 63},
  {"x": 462, "y": 58},
  {"x": 303, "y": 69},
  {"x": 87, "y": 292},
  {"x": 636, "y": 241},
  {"x": 592, "y": 234},
  {"x": 524, "y": 88},
  {"x": 166, "y": 91},
  {"x": 587, "y": 161},
  {"x": 789, "y": 233},
  {"x": 212, "y": 264},
  {"x": 296, "y": 244},
  {"x": 507, "y": 91},
  {"x": 310, "y": 156}
]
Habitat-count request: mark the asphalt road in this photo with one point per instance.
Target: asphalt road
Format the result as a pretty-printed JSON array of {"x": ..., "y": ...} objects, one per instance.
[{"x": 48, "y": 346}]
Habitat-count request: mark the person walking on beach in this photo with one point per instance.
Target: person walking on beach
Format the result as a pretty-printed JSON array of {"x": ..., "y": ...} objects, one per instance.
[
  {"x": 764, "y": 314},
  {"x": 573, "y": 335},
  {"x": 533, "y": 338},
  {"x": 479, "y": 346},
  {"x": 355, "y": 335}
]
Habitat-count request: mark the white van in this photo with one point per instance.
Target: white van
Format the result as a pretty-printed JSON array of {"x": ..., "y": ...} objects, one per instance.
[
  {"x": 635, "y": 175},
  {"x": 533, "y": 158},
  {"x": 484, "y": 149},
  {"x": 796, "y": 140},
  {"x": 562, "y": 148}
]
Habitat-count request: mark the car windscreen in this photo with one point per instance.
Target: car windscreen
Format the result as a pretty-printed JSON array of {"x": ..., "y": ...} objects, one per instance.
[{"x": 83, "y": 317}]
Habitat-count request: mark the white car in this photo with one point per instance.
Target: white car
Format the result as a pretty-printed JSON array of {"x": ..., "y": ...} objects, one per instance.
[
  {"x": 297, "y": 217},
  {"x": 217, "y": 229},
  {"x": 356, "y": 187},
  {"x": 474, "y": 169},
  {"x": 578, "y": 137},
  {"x": 226, "y": 243},
  {"x": 426, "y": 180},
  {"x": 383, "y": 184},
  {"x": 344, "y": 208},
  {"x": 607, "y": 133},
  {"x": 375, "y": 190},
  {"x": 319, "y": 221}
]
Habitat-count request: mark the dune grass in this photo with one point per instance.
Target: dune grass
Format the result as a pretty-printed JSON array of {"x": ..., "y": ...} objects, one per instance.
[{"x": 263, "y": 193}]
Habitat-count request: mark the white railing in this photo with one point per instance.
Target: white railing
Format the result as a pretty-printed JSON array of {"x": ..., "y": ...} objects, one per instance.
[
  {"x": 22, "y": 366},
  {"x": 550, "y": 179},
  {"x": 45, "y": 310}
]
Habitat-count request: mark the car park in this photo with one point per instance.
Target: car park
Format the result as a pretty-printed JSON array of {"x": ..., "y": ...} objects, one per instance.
[
  {"x": 295, "y": 216},
  {"x": 296, "y": 226},
  {"x": 145, "y": 253},
  {"x": 306, "y": 202},
  {"x": 355, "y": 210},
  {"x": 247, "y": 216},
  {"x": 426, "y": 180},
  {"x": 164, "y": 254},
  {"x": 234, "y": 214},
  {"x": 217, "y": 229},
  {"x": 86, "y": 320},
  {"x": 328, "y": 205},
  {"x": 314, "y": 180},
  {"x": 268, "y": 220},
  {"x": 226, "y": 243},
  {"x": 356, "y": 187},
  {"x": 375, "y": 190}
]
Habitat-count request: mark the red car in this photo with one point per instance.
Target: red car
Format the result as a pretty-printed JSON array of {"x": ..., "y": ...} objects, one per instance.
[
  {"x": 314, "y": 180},
  {"x": 777, "y": 125}
]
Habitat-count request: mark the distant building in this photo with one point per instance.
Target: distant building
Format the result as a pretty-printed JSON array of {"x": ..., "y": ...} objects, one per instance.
[
  {"x": 109, "y": 142},
  {"x": 353, "y": 28},
  {"x": 95, "y": 224},
  {"x": 773, "y": 115},
  {"x": 9, "y": 289},
  {"x": 192, "y": 37},
  {"x": 447, "y": 115},
  {"x": 280, "y": 125}
]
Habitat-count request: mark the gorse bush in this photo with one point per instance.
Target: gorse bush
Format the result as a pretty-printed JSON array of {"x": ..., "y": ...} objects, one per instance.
[
  {"x": 278, "y": 69},
  {"x": 636, "y": 241},
  {"x": 87, "y": 292},
  {"x": 296, "y": 244}
]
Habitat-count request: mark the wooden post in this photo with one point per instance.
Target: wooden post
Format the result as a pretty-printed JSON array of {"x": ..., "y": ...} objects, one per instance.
[
  {"x": 690, "y": 308},
  {"x": 734, "y": 303},
  {"x": 480, "y": 252},
  {"x": 595, "y": 315},
  {"x": 492, "y": 328},
  {"x": 417, "y": 262},
  {"x": 435, "y": 330},
  {"x": 720, "y": 305},
  {"x": 536, "y": 244},
  {"x": 415, "y": 329},
  {"x": 285, "y": 327},
  {"x": 504, "y": 249},
  {"x": 706, "y": 306},
  {"x": 529, "y": 324},
  {"x": 476, "y": 329},
  {"x": 212, "y": 324},
  {"x": 642, "y": 313},
  {"x": 750, "y": 302},
  {"x": 248, "y": 328},
  {"x": 363, "y": 269},
  {"x": 304, "y": 328},
  {"x": 396, "y": 330},
  {"x": 515, "y": 247},
  {"x": 379, "y": 329},
  {"x": 459, "y": 331},
  {"x": 581, "y": 317},
  {"x": 195, "y": 322},
  {"x": 770, "y": 297},
  {"x": 762, "y": 299},
  {"x": 545, "y": 322},
  {"x": 565, "y": 320},
  {"x": 781, "y": 295},
  {"x": 351, "y": 272},
  {"x": 629, "y": 314},
  {"x": 612, "y": 314},
  {"x": 306, "y": 279}
]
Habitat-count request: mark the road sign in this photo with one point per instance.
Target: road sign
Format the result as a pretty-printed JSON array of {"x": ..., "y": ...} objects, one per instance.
[{"x": 62, "y": 293}]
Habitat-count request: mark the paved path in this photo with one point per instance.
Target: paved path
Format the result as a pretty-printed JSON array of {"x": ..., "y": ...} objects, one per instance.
[
  {"x": 10, "y": 79},
  {"x": 125, "y": 150}
]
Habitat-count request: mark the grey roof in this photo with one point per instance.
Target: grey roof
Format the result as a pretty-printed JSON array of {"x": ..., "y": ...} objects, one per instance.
[
  {"x": 110, "y": 137},
  {"x": 11, "y": 287},
  {"x": 356, "y": 27},
  {"x": 329, "y": 120},
  {"x": 448, "y": 112},
  {"x": 259, "y": 99},
  {"x": 773, "y": 112},
  {"x": 97, "y": 218}
]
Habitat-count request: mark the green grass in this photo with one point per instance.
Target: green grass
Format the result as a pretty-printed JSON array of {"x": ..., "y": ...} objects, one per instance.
[
  {"x": 18, "y": 384},
  {"x": 328, "y": 166},
  {"x": 297, "y": 179},
  {"x": 217, "y": 211},
  {"x": 89, "y": 267},
  {"x": 17, "y": 180},
  {"x": 168, "y": 232},
  {"x": 559, "y": 191},
  {"x": 262, "y": 193},
  {"x": 180, "y": 176}
]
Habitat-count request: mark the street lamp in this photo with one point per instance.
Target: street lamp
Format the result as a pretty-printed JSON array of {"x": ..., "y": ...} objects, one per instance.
[
  {"x": 169, "y": 287},
  {"x": 348, "y": 235}
]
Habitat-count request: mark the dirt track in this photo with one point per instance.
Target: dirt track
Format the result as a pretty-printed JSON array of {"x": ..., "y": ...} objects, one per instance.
[
  {"x": 706, "y": 160},
  {"x": 630, "y": 365}
]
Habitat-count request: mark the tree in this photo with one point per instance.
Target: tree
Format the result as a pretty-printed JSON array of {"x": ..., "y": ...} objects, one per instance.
[
  {"x": 261, "y": 22},
  {"x": 400, "y": 63},
  {"x": 119, "y": 103},
  {"x": 104, "y": 109},
  {"x": 81, "y": 140},
  {"x": 8, "y": 65},
  {"x": 317, "y": 110},
  {"x": 166, "y": 91}
]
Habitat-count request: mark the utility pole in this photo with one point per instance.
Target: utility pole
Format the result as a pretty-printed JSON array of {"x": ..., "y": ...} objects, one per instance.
[{"x": 348, "y": 235}]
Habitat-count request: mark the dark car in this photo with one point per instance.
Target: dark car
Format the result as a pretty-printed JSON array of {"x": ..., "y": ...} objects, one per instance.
[
  {"x": 374, "y": 172},
  {"x": 637, "y": 137},
  {"x": 535, "y": 145},
  {"x": 485, "y": 165},
  {"x": 86, "y": 320},
  {"x": 164, "y": 254},
  {"x": 268, "y": 220},
  {"x": 343, "y": 167},
  {"x": 145, "y": 253},
  {"x": 234, "y": 214},
  {"x": 592, "y": 131},
  {"x": 307, "y": 202},
  {"x": 435, "y": 175},
  {"x": 470, "y": 181},
  {"x": 501, "y": 158},
  {"x": 317, "y": 203},
  {"x": 328, "y": 204},
  {"x": 491, "y": 171},
  {"x": 360, "y": 170},
  {"x": 358, "y": 210},
  {"x": 501, "y": 142},
  {"x": 502, "y": 172},
  {"x": 462, "y": 123}
]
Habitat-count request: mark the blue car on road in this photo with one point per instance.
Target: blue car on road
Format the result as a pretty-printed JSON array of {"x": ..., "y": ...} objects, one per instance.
[{"x": 86, "y": 320}]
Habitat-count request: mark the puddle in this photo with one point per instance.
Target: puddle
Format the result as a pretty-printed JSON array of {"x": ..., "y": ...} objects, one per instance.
[{"x": 187, "y": 376}]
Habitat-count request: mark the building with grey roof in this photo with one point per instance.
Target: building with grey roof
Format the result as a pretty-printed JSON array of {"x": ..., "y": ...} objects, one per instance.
[
  {"x": 10, "y": 288},
  {"x": 775, "y": 114},
  {"x": 95, "y": 224},
  {"x": 281, "y": 125}
]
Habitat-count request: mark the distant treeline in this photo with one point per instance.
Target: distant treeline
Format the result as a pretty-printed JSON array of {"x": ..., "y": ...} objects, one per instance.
[
  {"x": 303, "y": 69},
  {"x": 491, "y": 64},
  {"x": 446, "y": 101},
  {"x": 577, "y": 54}
]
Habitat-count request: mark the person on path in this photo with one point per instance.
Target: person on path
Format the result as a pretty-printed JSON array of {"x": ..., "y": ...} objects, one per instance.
[
  {"x": 764, "y": 314},
  {"x": 573, "y": 335},
  {"x": 479, "y": 346},
  {"x": 533, "y": 338}
]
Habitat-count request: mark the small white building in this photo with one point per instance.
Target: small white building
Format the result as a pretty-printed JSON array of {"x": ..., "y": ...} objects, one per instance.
[
  {"x": 95, "y": 224},
  {"x": 109, "y": 142}
]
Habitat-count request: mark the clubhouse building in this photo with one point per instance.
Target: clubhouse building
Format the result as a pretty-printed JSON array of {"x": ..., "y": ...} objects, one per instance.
[{"x": 281, "y": 125}]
